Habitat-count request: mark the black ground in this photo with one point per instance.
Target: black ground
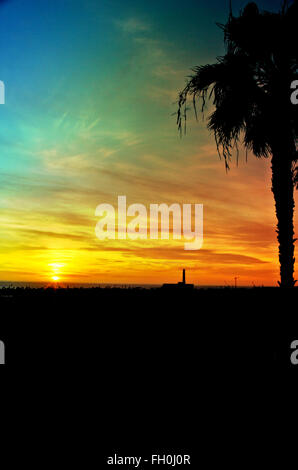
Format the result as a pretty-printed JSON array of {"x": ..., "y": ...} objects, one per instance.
[{"x": 154, "y": 369}]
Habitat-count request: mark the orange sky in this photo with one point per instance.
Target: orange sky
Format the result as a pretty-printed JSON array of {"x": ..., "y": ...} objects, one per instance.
[{"x": 57, "y": 238}]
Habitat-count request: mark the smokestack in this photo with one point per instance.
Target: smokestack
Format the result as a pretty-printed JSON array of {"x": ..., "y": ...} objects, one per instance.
[{"x": 183, "y": 276}]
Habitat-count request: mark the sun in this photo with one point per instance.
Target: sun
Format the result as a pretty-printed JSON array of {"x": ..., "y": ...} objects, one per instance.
[{"x": 55, "y": 268}]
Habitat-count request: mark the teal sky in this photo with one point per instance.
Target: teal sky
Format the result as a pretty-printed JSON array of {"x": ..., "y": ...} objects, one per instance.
[{"x": 79, "y": 65}]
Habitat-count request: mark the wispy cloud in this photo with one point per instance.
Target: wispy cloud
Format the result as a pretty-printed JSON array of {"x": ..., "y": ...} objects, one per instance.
[{"x": 132, "y": 25}]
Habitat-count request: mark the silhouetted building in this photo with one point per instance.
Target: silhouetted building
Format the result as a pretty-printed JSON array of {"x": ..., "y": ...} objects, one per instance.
[{"x": 179, "y": 285}]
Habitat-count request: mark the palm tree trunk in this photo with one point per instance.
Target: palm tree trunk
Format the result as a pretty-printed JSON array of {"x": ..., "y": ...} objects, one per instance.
[{"x": 283, "y": 191}]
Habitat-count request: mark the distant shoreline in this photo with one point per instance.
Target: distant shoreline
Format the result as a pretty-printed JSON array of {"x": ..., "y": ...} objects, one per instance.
[{"x": 38, "y": 285}]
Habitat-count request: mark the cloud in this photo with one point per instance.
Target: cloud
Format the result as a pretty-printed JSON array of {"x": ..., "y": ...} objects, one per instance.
[
  {"x": 54, "y": 234},
  {"x": 26, "y": 248},
  {"x": 132, "y": 25},
  {"x": 14, "y": 271},
  {"x": 174, "y": 253}
]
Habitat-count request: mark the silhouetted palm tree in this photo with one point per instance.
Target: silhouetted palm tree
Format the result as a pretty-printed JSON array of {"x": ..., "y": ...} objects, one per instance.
[{"x": 250, "y": 88}]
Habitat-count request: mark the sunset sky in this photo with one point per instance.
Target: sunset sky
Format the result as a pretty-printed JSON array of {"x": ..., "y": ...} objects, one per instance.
[{"x": 90, "y": 92}]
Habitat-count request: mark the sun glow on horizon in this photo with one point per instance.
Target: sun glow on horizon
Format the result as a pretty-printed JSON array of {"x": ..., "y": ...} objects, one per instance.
[{"x": 55, "y": 267}]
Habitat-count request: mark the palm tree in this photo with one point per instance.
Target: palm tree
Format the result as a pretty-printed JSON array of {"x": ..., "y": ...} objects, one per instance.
[{"x": 250, "y": 88}]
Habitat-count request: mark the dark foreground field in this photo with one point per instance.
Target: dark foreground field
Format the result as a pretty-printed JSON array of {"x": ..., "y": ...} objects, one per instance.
[
  {"x": 227, "y": 327},
  {"x": 160, "y": 366}
]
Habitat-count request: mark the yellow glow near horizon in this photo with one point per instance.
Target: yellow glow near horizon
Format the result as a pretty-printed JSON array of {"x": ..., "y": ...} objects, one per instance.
[
  {"x": 55, "y": 270},
  {"x": 56, "y": 266}
]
